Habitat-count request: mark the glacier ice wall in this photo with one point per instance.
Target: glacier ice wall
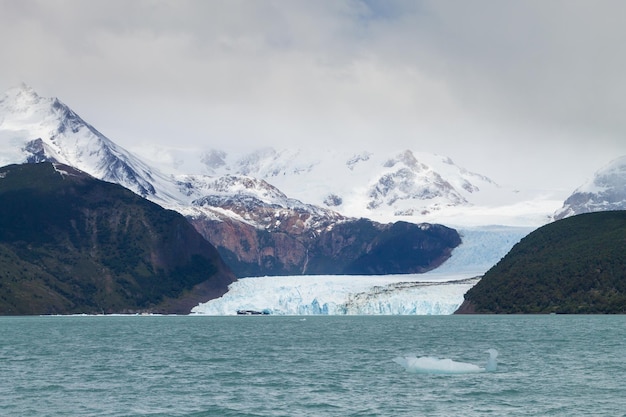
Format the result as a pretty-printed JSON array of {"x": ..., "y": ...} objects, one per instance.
[
  {"x": 438, "y": 292},
  {"x": 339, "y": 295}
]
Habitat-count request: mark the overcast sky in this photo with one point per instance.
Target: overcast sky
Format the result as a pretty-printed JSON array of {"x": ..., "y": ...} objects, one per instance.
[{"x": 526, "y": 92}]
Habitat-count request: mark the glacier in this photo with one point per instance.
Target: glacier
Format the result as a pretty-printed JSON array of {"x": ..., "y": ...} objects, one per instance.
[
  {"x": 384, "y": 187},
  {"x": 438, "y": 292}
]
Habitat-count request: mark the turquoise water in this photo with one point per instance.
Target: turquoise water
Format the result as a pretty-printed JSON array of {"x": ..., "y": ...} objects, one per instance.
[{"x": 318, "y": 366}]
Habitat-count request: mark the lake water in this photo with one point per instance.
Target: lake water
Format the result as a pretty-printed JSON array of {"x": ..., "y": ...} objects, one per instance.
[{"x": 318, "y": 366}]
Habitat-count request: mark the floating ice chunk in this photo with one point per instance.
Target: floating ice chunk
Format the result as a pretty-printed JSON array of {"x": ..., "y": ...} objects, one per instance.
[{"x": 433, "y": 365}]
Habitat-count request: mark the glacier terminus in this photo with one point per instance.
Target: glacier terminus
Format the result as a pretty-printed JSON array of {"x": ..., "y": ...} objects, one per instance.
[{"x": 438, "y": 292}]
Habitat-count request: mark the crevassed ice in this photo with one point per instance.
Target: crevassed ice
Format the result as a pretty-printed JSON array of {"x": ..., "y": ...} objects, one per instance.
[
  {"x": 339, "y": 295},
  {"x": 439, "y": 292}
]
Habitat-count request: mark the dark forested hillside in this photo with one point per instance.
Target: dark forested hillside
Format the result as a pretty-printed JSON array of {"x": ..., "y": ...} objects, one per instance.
[
  {"x": 70, "y": 243},
  {"x": 575, "y": 265}
]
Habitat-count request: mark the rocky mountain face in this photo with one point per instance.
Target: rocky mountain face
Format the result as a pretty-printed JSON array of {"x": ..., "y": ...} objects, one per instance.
[
  {"x": 257, "y": 228},
  {"x": 260, "y": 231},
  {"x": 70, "y": 243},
  {"x": 605, "y": 192},
  {"x": 352, "y": 247}
]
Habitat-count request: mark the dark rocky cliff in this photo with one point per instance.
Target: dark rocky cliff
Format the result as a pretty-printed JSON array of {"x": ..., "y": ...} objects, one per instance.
[{"x": 348, "y": 246}]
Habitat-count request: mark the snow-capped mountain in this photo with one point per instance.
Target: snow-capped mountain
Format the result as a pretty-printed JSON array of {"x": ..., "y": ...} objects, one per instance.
[
  {"x": 36, "y": 129},
  {"x": 278, "y": 208},
  {"x": 256, "y": 228},
  {"x": 605, "y": 191},
  {"x": 361, "y": 184},
  {"x": 384, "y": 186},
  {"x": 253, "y": 201}
]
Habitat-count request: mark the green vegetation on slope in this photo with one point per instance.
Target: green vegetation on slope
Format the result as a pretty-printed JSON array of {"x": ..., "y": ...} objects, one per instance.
[
  {"x": 574, "y": 265},
  {"x": 72, "y": 244}
]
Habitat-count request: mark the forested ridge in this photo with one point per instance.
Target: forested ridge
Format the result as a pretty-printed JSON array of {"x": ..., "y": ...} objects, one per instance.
[{"x": 574, "y": 265}]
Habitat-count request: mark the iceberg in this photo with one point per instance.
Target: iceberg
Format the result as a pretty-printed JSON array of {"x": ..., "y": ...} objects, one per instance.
[
  {"x": 439, "y": 292},
  {"x": 434, "y": 365}
]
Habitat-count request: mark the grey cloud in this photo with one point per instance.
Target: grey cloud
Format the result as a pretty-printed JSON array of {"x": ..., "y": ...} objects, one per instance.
[{"x": 466, "y": 79}]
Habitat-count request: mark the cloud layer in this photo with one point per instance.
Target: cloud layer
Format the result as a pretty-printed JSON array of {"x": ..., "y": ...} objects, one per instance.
[{"x": 501, "y": 87}]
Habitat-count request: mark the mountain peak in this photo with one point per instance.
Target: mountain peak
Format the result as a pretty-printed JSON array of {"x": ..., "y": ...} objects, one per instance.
[
  {"x": 22, "y": 87},
  {"x": 45, "y": 129},
  {"x": 605, "y": 191},
  {"x": 19, "y": 98}
]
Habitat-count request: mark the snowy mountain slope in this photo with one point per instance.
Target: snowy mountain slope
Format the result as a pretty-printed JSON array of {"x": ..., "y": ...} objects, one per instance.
[
  {"x": 605, "y": 191},
  {"x": 405, "y": 185},
  {"x": 35, "y": 129},
  {"x": 390, "y": 186},
  {"x": 386, "y": 187},
  {"x": 253, "y": 201},
  {"x": 360, "y": 183},
  {"x": 257, "y": 228},
  {"x": 44, "y": 129},
  {"x": 241, "y": 189}
]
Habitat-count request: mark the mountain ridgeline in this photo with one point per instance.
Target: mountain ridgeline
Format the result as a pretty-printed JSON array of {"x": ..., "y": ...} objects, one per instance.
[
  {"x": 70, "y": 243},
  {"x": 574, "y": 265},
  {"x": 257, "y": 229}
]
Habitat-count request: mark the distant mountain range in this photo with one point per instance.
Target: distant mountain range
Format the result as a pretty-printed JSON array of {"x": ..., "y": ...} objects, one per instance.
[
  {"x": 266, "y": 192},
  {"x": 404, "y": 185},
  {"x": 355, "y": 184},
  {"x": 255, "y": 226},
  {"x": 359, "y": 184},
  {"x": 267, "y": 211}
]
